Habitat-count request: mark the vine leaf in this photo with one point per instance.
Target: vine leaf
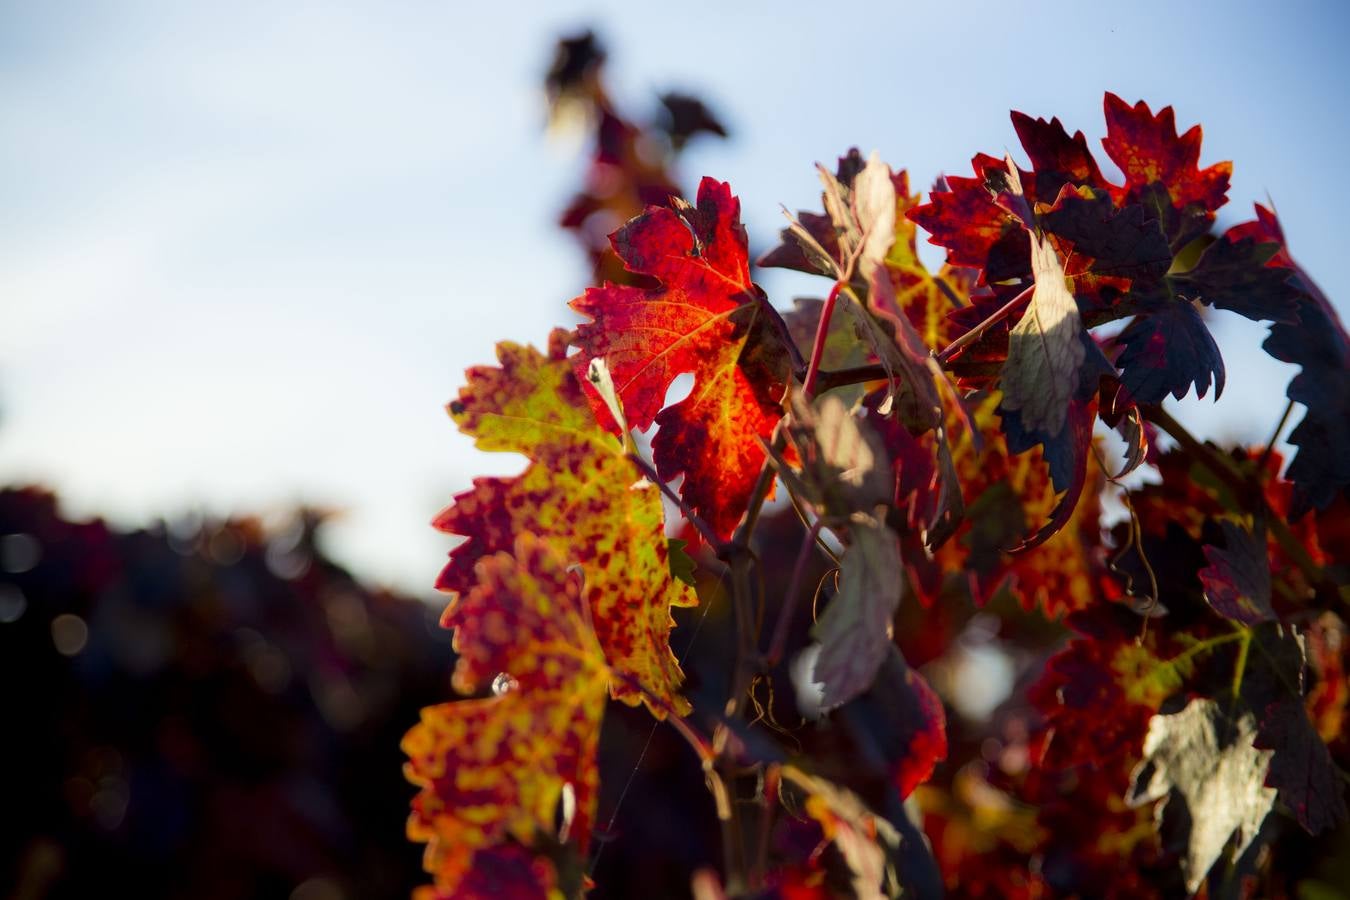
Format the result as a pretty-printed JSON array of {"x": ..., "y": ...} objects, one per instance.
[
  {"x": 1237, "y": 580},
  {"x": 1232, "y": 274},
  {"x": 498, "y": 768},
  {"x": 582, "y": 494},
  {"x": 1045, "y": 350},
  {"x": 704, "y": 317},
  {"x": 1301, "y": 768},
  {"x": 866, "y": 842},
  {"x": 855, "y": 630},
  {"x": 1319, "y": 344},
  {"x": 1056, "y": 158},
  {"x": 961, "y": 216},
  {"x": 1202, "y": 763},
  {"x": 1099, "y": 692},
  {"x": 1066, "y": 452},
  {"x": 502, "y": 872},
  {"x": 873, "y": 206},
  {"x": 924, "y": 297},
  {"x": 1163, "y": 168},
  {"x": 865, "y": 240},
  {"x": 844, "y": 464},
  {"x": 846, "y": 474},
  {"x": 1167, "y": 351},
  {"x": 905, "y": 722},
  {"x": 1109, "y": 242},
  {"x": 1129, "y": 424}
]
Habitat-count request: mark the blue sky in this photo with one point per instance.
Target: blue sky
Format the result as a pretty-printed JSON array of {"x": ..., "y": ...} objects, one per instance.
[{"x": 247, "y": 250}]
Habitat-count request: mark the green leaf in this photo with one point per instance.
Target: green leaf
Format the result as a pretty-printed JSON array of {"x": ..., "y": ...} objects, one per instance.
[{"x": 682, "y": 565}]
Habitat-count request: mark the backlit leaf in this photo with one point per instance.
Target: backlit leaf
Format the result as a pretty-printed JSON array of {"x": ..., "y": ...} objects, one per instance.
[
  {"x": 1056, "y": 158},
  {"x": 855, "y": 630},
  {"x": 1201, "y": 762},
  {"x": 498, "y": 768},
  {"x": 1149, "y": 152},
  {"x": 705, "y": 317},
  {"x": 1045, "y": 350},
  {"x": 977, "y": 233},
  {"x": 582, "y": 494}
]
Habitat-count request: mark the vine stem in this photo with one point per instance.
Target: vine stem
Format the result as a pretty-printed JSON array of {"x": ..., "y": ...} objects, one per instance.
[
  {"x": 702, "y": 746},
  {"x": 1275, "y": 436}
]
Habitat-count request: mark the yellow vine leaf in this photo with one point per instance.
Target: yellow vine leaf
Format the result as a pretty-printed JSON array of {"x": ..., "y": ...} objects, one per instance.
[
  {"x": 498, "y": 768},
  {"x": 584, "y": 496}
]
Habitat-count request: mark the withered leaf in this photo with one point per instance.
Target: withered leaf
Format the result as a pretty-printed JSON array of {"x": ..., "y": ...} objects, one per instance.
[{"x": 1301, "y": 768}]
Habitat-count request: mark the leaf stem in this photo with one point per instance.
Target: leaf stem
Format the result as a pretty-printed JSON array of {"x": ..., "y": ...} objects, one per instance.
[
  {"x": 818, "y": 347},
  {"x": 705, "y": 531},
  {"x": 830, "y": 379},
  {"x": 785, "y": 613},
  {"x": 1275, "y": 436},
  {"x": 945, "y": 355}
]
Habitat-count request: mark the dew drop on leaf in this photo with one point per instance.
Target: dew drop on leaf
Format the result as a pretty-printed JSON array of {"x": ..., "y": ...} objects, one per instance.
[{"x": 502, "y": 684}]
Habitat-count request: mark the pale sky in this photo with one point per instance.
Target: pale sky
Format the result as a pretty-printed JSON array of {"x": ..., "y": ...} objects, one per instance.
[{"x": 248, "y": 249}]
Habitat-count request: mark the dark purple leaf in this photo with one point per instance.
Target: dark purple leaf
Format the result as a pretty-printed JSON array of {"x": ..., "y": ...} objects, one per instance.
[
  {"x": 1166, "y": 351},
  {"x": 1301, "y": 768},
  {"x": 1237, "y": 580}
]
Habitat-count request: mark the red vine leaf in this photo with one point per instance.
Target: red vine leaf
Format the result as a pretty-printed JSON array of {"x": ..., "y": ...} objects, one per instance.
[
  {"x": 503, "y": 872},
  {"x": 705, "y": 317},
  {"x": 1149, "y": 152},
  {"x": 865, "y": 841},
  {"x": 961, "y": 216},
  {"x": 1056, "y": 158}
]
